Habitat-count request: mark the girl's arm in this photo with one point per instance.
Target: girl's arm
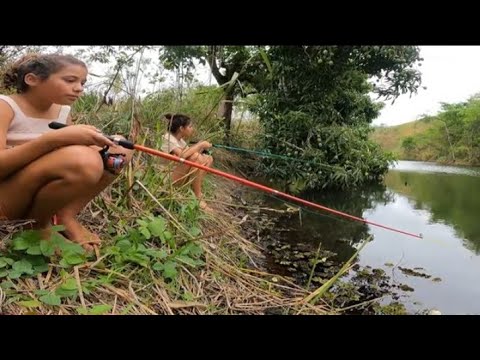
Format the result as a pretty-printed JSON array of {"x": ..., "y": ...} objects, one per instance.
[
  {"x": 189, "y": 151},
  {"x": 16, "y": 158}
]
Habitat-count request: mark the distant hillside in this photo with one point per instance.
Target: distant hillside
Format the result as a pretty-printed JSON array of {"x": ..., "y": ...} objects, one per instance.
[{"x": 390, "y": 138}]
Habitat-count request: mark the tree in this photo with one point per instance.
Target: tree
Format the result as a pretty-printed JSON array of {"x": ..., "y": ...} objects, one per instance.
[
  {"x": 230, "y": 66},
  {"x": 314, "y": 105},
  {"x": 409, "y": 145}
]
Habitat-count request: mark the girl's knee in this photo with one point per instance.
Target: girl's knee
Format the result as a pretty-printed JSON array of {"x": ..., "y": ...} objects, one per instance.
[
  {"x": 209, "y": 160},
  {"x": 205, "y": 160},
  {"x": 194, "y": 157},
  {"x": 81, "y": 163}
]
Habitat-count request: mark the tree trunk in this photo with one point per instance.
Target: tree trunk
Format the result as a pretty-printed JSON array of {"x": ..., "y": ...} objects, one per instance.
[{"x": 225, "y": 112}]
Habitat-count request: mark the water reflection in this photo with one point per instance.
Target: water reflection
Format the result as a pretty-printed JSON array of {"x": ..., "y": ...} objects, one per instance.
[
  {"x": 441, "y": 202},
  {"x": 451, "y": 199}
]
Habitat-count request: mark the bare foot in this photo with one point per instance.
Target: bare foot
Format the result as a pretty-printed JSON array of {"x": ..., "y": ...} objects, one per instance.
[
  {"x": 203, "y": 205},
  {"x": 77, "y": 233}
]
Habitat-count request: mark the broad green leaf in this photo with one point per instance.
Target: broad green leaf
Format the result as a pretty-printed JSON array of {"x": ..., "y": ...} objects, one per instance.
[
  {"x": 100, "y": 309},
  {"x": 158, "y": 266},
  {"x": 41, "y": 268},
  {"x": 189, "y": 261},
  {"x": 20, "y": 243},
  {"x": 23, "y": 266},
  {"x": 124, "y": 245},
  {"x": 14, "y": 274},
  {"x": 73, "y": 259},
  {"x": 169, "y": 270},
  {"x": 146, "y": 233},
  {"x": 58, "y": 228},
  {"x": 8, "y": 260},
  {"x": 30, "y": 303},
  {"x": 195, "y": 231},
  {"x": 51, "y": 299},
  {"x": 47, "y": 247},
  {"x": 70, "y": 284},
  {"x": 157, "y": 226},
  {"x": 34, "y": 250}
]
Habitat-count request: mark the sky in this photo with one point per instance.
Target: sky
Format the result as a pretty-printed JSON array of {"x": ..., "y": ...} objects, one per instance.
[{"x": 450, "y": 73}]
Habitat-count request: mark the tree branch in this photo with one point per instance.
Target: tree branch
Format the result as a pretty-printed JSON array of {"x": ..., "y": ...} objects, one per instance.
[{"x": 212, "y": 62}]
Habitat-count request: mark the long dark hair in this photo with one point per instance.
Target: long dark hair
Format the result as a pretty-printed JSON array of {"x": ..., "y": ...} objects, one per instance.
[
  {"x": 41, "y": 65},
  {"x": 176, "y": 121}
]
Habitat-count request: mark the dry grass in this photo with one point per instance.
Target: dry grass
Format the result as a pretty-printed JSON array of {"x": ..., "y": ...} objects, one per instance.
[
  {"x": 230, "y": 282},
  {"x": 390, "y": 138}
]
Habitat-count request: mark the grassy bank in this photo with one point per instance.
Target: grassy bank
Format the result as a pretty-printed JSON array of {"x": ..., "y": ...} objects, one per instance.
[{"x": 160, "y": 253}]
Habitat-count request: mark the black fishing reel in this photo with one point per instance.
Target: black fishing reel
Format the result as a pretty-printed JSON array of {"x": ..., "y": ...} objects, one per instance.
[{"x": 113, "y": 163}]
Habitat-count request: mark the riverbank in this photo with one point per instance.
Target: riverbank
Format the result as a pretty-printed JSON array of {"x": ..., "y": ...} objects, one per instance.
[{"x": 160, "y": 255}]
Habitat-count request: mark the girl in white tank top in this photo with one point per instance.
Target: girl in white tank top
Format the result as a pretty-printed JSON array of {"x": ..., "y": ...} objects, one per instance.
[{"x": 46, "y": 172}]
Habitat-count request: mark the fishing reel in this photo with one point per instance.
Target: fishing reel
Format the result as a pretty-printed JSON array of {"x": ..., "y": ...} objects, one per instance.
[{"x": 113, "y": 163}]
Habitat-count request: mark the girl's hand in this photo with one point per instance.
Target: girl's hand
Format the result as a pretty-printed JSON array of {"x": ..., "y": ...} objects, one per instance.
[
  {"x": 205, "y": 145},
  {"x": 80, "y": 135}
]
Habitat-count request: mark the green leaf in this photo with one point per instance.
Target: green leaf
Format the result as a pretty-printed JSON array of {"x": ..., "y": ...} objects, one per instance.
[
  {"x": 6, "y": 284},
  {"x": 159, "y": 254},
  {"x": 157, "y": 226},
  {"x": 73, "y": 259},
  {"x": 68, "y": 247},
  {"x": 8, "y": 260},
  {"x": 41, "y": 268},
  {"x": 100, "y": 309},
  {"x": 191, "y": 249},
  {"x": 34, "y": 250},
  {"x": 3, "y": 263},
  {"x": 169, "y": 270},
  {"x": 266, "y": 60},
  {"x": 23, "y": 266},
  {"x": 189, "y": 261},
  {"x": 140, "y": 259},
  {"x": 3, "y": 273},
  {"x": 20, "y": 243},
  {"x": 158, "y": 266},
  {"x": 195, "y": 231},
  {"x": 65, "y": 292},
  {"x": 41, "y": 292},
  {"x": 142, "y": 223},
  {"x": 124, "y": 245},
  {"x": 47, "y": 247},
  {"x": 58, "y": 228},
  {"x": 145, "y": 233},
  {"x": 30, "y": 303},
  {"x": 82, "y": 311},
  {"x": 63, "y": 263},
  {"x": 14, "y": 274},
  {"x": 70, "y": 284},
  {"x": 168, "y": 235},
  {"x": 51, "y": 299}
]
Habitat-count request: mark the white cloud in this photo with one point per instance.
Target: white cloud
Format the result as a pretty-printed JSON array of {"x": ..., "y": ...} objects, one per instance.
[{"x": 450, "y": 73}]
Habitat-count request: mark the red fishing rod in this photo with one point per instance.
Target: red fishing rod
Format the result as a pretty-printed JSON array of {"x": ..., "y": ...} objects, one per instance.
[{"x": 129, "y": 145}]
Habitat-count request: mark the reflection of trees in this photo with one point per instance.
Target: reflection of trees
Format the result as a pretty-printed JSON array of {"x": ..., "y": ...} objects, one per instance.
[
  {"x": 452, "y": 199},
  {"x": 334, "y": 232}
]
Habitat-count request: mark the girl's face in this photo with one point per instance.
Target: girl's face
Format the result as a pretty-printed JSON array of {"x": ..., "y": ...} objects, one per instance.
[
  {"x": 187, "y": 131},
  {"x": 63, "y": 87}
]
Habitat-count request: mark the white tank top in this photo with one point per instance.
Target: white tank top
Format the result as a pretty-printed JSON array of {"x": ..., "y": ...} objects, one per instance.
[{"x": 25, "y": 128}]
